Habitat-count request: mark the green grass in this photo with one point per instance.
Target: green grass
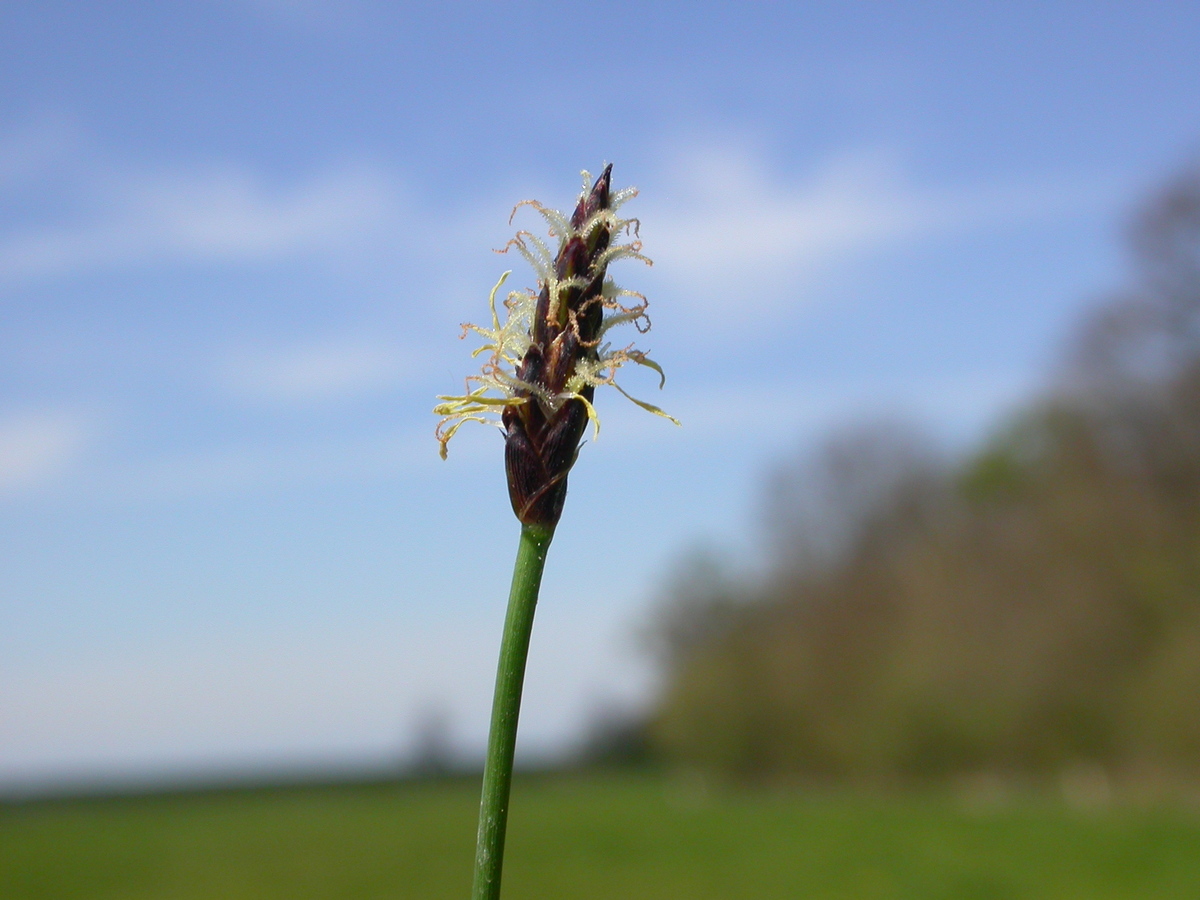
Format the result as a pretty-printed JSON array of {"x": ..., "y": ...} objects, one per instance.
[{"x": 591, "y": 838}]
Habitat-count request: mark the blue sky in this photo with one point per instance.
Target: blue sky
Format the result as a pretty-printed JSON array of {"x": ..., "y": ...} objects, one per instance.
[{"x": 237, "y": 238}]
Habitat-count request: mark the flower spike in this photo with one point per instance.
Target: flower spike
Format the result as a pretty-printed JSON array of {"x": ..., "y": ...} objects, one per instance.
[{"x": 546, "y": 359}]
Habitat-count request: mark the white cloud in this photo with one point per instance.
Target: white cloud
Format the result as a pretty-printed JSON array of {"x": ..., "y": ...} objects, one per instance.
[
  {"x": 738, "y": 218},
  {"x": 741, "y": 224},
  {"x": 244, "y": 467},
  {"x": 958, "y": 407},
  {"x": 316, "y": 372},
  {"x": 218, "y": 214},
  {"x": 37, "y": 447}
]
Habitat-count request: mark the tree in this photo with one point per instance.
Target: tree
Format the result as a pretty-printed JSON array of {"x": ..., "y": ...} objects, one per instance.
[{"x": 1027, "y": 609}]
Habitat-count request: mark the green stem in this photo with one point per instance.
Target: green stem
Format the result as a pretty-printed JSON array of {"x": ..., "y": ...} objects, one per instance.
[{"x": 506, "y": 706}]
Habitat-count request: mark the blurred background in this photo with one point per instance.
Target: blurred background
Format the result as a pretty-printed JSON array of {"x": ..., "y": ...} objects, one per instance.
[{"x": 926, "y": 287}]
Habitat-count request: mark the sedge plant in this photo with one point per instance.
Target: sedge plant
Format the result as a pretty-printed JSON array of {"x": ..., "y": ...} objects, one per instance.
[{"x": 545, "y": 354}]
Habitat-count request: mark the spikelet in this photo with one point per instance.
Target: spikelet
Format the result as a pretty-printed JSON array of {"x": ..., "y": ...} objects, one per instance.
[{"x": 546, "y": 359}]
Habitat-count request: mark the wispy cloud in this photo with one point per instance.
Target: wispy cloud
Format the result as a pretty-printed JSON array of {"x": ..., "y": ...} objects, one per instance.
[
  {"x": 38, "y": 447},
  {"x": 739, "y": 224},
  {"x": 211, "y": 215},
  {"x": 957, "y": 406},
  {"x": 316, "y": 372},
  {"x": 724, "y": 222},
  {"x": 55, "y": 451},
  {"x": 242, "y": 468}
]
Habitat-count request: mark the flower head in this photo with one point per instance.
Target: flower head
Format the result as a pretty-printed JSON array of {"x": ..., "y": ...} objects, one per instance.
[{"x": 547, "y": 357}]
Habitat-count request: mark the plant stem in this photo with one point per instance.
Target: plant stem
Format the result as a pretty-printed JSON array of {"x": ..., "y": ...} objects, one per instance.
[{"x": 506, "y": 706}]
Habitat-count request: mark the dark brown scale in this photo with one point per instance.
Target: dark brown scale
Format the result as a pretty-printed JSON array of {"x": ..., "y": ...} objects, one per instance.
[
  {"x": 540, "y": 449},
  {"x": 532, "y": 366},
  {"x": 563, "y": 437},
  {"x": 540, "y": 315},
  {"x": 596, "y": 200},
  {"x": 572, "y": 261},
  {"x": 591, "y": 313},
  {"x": 563, "y": 355}
]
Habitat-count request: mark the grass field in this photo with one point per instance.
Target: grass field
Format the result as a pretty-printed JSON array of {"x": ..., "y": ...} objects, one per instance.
[{"x": 590, "y": 838}]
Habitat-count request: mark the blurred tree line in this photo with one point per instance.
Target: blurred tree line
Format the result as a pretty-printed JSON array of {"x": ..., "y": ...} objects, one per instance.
[{"x": 1031, "y": 608}]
